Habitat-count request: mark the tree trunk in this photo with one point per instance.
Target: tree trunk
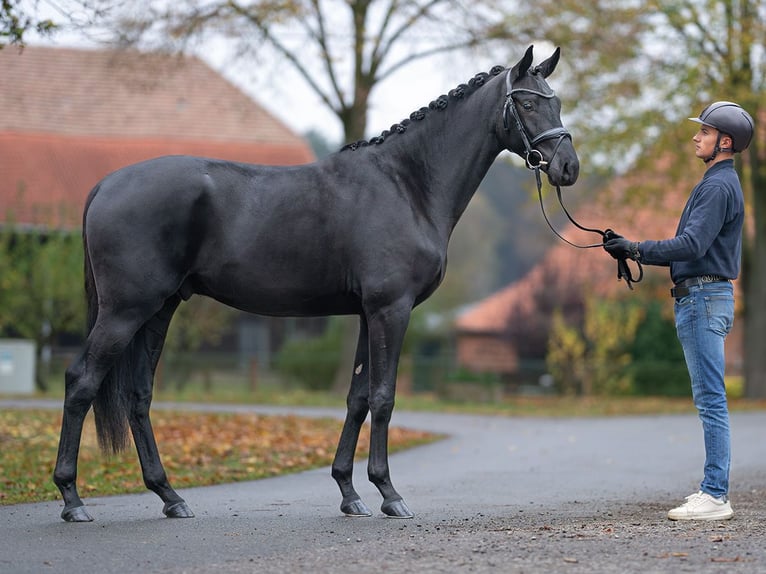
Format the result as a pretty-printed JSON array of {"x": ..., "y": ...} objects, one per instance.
[{"x": 754, "y": 282}]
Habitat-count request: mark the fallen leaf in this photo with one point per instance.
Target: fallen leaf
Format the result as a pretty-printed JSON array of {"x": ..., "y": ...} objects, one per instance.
[{"x": 724, "y": 559}]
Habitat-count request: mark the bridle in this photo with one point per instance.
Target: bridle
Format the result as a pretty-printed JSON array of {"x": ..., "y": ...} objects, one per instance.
[
  {"x": 535, "y": 161},
  {"x": 532, "y": 156}
]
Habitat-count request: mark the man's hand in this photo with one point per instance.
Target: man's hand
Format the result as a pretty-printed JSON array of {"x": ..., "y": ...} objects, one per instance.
[{"x": 621, "y": 248}]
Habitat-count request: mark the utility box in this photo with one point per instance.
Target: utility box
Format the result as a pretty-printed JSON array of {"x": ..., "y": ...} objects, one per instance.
[{"x": 17, "y": 367}]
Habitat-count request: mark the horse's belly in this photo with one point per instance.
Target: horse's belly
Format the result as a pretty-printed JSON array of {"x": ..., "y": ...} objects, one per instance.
[{"x": 273, "y": 296}]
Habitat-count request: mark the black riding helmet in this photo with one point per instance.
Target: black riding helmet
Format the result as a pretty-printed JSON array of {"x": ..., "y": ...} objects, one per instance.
[{"x": 730, "y": 119}]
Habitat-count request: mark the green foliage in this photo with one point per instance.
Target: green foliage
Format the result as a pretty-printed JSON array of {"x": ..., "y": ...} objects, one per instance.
[
  {"x": 566, "y": 355},
  {"x": 16, "y": 21},
  {"x": 313, "y": 362},
  {"x": 41, "y": 283},
  {"x": 622, "y": 348},
  {"x": 41, "y": 286},
  {"x": 658, "y": 361},
  {"x": 197, "y": 322},
  {"x": 593, "y": 359}
]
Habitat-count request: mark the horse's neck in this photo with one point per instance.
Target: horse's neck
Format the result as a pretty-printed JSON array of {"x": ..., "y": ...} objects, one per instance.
[{"x": 453, "y": 152}]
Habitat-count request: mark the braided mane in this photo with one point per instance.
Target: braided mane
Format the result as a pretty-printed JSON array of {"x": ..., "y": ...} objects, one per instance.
[{"x": 440, "y": 103}]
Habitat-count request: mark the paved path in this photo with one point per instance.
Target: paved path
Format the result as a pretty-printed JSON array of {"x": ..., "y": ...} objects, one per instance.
[{"x": 499, "y": 495}]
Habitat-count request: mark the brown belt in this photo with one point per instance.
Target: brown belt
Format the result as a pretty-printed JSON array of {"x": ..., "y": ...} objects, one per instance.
[{"x": 681, "y": 289}]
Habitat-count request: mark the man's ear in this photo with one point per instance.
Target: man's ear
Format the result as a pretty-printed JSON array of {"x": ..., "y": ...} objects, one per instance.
[{"x": 726, "y": 141}]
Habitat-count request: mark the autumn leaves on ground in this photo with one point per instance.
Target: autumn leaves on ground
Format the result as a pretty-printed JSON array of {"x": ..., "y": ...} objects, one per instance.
[{"x": 197, "y": 449}]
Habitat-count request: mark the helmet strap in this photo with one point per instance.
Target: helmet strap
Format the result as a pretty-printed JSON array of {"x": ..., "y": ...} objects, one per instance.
[{"x": 717, "y": 149}]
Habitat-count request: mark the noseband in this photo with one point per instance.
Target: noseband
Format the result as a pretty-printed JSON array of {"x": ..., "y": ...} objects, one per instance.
[{"x": 533, "y": 157}]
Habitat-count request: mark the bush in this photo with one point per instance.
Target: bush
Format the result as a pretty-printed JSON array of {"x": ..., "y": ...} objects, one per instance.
[
  {"x": 661, "y": 378},
  {"x": 312, "y": 363},
  {"x": 658, "y": 361},
  {"x": 592, "y": 359}
]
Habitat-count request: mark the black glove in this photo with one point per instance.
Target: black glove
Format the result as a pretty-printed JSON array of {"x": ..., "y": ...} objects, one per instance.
[{"x": 621, "y": 248}]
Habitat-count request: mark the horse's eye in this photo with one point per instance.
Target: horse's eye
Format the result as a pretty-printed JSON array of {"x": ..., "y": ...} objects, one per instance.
[{"x": 527, "y": 106}]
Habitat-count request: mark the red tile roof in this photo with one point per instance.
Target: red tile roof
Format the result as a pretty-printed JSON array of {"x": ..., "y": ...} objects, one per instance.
[
  {"x": 128, "y": 94},
  {"x": 68, "y": 117},
  {"x": 46, "y": 177}
]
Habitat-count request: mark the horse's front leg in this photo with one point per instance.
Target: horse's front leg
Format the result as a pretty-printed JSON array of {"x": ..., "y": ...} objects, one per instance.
[
  {"x": 387, "y": 327},
  {"x": 356, "y": 412}
]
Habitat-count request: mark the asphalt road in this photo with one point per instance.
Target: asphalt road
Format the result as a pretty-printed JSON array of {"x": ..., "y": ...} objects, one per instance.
[{"x": 524, "y": 495}]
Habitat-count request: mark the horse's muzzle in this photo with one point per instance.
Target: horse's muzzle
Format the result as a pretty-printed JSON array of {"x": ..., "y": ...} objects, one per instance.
[{"x": 563, "y": 170}]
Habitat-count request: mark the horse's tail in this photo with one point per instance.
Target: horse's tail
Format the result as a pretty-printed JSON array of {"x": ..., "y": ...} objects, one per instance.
[{"x": 113, "y": 400}]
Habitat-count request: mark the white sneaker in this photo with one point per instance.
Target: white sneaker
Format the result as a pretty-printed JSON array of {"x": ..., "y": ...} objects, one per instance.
[{"x": 702, "y": 506}]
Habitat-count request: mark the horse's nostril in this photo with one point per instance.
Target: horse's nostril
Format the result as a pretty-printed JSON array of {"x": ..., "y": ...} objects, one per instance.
[{"x": 571, "y": 171}]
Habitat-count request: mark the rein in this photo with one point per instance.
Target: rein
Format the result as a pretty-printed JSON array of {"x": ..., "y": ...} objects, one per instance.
[{"x": 535, "y": 161}]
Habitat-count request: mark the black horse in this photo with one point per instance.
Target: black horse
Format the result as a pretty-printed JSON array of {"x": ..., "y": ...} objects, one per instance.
[{"x": 363, "y": 232}]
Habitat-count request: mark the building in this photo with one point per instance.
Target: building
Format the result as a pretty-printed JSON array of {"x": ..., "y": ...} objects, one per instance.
[{"x": 68, "y": 117}]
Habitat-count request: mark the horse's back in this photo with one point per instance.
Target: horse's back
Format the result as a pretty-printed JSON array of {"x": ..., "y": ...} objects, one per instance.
[
  {"x": 180, "y": 190},
  {"x": 165, "y": 176},
  {"x": 252, "y": 236},
  {"x": 300, "y": 240}
]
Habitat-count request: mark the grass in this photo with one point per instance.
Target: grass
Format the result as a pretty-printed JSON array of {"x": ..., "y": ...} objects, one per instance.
[
  {"x": 198, "y": 449},
  {"x": 506, "y": 405},
  {"x": 558, "y": 406}
]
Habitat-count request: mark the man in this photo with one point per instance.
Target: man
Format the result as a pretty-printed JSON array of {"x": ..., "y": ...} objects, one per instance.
[{"x": 704, "y": 256}]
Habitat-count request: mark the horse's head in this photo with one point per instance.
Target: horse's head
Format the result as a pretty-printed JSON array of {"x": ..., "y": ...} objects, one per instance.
[{"x": 532, "y": 119}]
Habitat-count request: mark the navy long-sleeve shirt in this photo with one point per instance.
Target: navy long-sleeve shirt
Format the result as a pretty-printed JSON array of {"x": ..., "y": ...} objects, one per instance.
[{"x": 708, "y": 240}]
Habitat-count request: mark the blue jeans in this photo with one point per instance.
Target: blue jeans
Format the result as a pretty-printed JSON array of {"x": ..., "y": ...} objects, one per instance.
[{"x": 703, "y": 319}]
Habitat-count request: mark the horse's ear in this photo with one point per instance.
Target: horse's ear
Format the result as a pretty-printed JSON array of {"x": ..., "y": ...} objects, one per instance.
[
  {"x": 547, "y": 67},
  {"x": 521, "y": 68}
]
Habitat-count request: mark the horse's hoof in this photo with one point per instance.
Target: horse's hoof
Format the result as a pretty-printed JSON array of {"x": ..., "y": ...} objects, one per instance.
[
  {"x": 397, "y": 509},
  {"x": 76, "y": 514},
  {"x": 355, "y": 508},
  {"x": 177, "y": 510}
]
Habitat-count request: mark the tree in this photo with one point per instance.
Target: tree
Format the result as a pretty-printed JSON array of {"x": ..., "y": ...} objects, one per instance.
[
  {"x": 21, "y": 18},
  {"x": 640, "y": 71},
  {"x": 723, "y": 41},
  {"x": 594, "y": 359},
  {"x": 40, "y": 286},
  {"x": 17, "y": 20},
  {"x": 342, "y": 49}
]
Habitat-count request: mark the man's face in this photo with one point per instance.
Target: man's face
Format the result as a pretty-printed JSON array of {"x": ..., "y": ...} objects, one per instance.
[{"x": 704, "y": 141}]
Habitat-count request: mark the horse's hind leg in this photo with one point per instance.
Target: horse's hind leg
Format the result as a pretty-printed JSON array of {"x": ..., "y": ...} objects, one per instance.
[
  {"x": 357, "y": 407},
  {"x": 154, "y": 475},
  {"x": 79, "y": 397},
  {"x": 106, "y": 342}
]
